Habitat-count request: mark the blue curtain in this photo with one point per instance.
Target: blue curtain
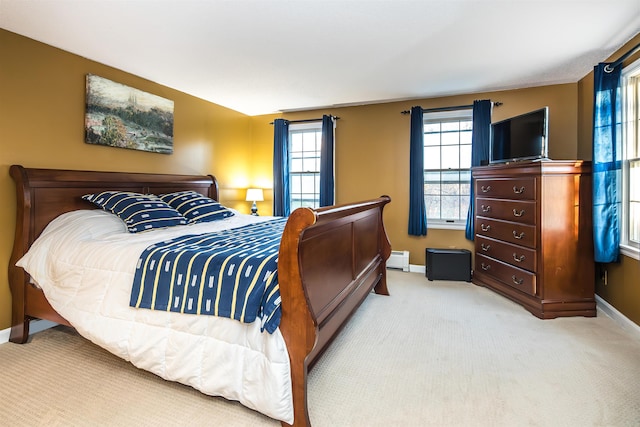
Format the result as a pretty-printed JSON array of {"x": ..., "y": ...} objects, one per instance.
[
  {"x": 479, "y": 152},
  {"x": 281, "y": 194},
  {"x": 326, "y": 163},
  {"x": 417, "y": 208},
  {"x": 607, "y": 162}
]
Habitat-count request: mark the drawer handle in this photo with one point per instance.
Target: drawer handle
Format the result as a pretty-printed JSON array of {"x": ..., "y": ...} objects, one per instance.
[
  {"x": 518, "y": 190},
  {"x": 518, "y": 236},
  {"x": 485, "y": 248},
  {"x": 516, "y": 280},
  {"x": 485, "y": 267},
  {"x": 517, "y": 258},
  {"x": 485, "y": 189},
  {"x": 518, "y": 213},
  {"x": 486, "y": 208},
  {"x": 486, "y": 228}
]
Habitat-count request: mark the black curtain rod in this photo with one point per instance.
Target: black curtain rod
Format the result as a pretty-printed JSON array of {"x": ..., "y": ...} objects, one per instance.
[
  {"x": 457, "y": 107},
  {"x": 609, "y": 67},
  {"x": 309, "y": 120}
]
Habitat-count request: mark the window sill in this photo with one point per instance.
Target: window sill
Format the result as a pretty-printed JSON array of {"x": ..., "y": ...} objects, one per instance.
[
  {"x": 441, "y": 225},
  {"x": 630, "y": 251}
]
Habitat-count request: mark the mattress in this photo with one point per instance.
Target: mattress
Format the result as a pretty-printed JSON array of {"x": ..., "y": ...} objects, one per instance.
[{"x": 84, "y": 262}]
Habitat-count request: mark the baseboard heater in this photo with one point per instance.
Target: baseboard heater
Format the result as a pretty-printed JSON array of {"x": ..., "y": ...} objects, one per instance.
[{"x": 399, "y": 260}]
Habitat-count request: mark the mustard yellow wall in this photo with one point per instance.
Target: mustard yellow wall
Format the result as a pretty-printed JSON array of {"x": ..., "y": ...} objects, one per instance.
[
  {"x": 42, "y": 96},
  {"x": 623, "y": 279},
  {"x": 372, "y": 151}
]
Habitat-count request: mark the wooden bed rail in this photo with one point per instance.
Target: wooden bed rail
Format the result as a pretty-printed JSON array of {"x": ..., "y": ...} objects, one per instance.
[{"x": 351, "y": 240}]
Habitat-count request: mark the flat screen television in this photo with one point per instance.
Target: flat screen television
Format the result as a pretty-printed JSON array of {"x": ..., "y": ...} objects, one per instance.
[{"x": 523, "y": 137}]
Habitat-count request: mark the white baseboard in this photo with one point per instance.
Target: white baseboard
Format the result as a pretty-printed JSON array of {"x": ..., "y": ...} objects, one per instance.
[
  {"x": 413, "y": 268},
  {"x": 618, "y": 317},
  {"x": 34, "y": 327},
  {"x": 4, "y": 335}
]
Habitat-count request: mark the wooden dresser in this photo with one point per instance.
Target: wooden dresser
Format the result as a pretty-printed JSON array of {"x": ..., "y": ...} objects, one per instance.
[{"x": 533, "y": 235}]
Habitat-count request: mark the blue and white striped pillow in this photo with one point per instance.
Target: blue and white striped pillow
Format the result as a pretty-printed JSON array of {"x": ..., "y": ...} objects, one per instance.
[
  {"x": 196, "y": 207},
  {"x": 140, "y": 212}
]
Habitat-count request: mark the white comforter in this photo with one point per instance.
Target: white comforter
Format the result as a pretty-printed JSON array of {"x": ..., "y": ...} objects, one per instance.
[{"x": 84, "y": 261}]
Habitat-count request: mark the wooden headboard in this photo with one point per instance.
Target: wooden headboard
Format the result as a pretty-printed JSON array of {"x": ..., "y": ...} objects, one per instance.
[
  {"x": 60, "y": 190},
  {"x": 44, "y": 194}
]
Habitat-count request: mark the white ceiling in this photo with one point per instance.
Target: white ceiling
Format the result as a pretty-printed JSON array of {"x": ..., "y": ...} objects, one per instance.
[{"x": 265, "y": 56}]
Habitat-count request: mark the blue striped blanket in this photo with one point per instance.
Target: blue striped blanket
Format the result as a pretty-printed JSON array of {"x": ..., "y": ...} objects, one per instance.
[{"x": 231, "y": 273}]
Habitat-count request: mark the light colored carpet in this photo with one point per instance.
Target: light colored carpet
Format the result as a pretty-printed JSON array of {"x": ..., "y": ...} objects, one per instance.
[{"x": 432, "y": 354}]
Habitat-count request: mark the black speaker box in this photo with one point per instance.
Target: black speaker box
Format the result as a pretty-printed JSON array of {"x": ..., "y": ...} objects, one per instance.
[{"x": 448, "y": 264}]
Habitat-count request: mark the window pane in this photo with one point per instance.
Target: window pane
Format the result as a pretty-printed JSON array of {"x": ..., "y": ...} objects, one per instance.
[
  {"x": 304, "y": 166},
  {"x": 432, "y": 177},
  {"x": 634, "y": 222},
  {"x": 296, "y": 142},
  {"x": 451, "y": 157},
  {"x": 465, "y": 189},
  {"x": 431, "y": 139},
  {"x": 631, "y": 168},
  {"x": 465, "y": 138},
  {"x": 432, "y": 157},
  {"x": 296, "y": 184},
  {"x": 450, "y": 138},
  {"x": 296, "y": 165},
  {"x": 450, "y": 189},
  {"x": 465, "y": 156},
  {"x": 309, "y": 164},
  {"x": 450, "y": 207},
  {"x": 450, "y": 176},
  {"x": 309, "y": 141},
  {"x": 432, "y": 127},
  {"x": 447, "y": 162},
  {"x": 634, "y": 201},
  {"x": 433, "y": 206},
  {"x": 308, "y": 184},
  {"x": 449, "y": 126},
  {"x": 432, "y": 189}
]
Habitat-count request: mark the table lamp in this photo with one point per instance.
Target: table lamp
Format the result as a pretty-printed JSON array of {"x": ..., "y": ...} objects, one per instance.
[{"x": 254, "y": 195}]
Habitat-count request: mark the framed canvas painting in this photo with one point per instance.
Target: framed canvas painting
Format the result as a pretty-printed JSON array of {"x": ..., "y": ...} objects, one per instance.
[{"x": 121, "y": 116}]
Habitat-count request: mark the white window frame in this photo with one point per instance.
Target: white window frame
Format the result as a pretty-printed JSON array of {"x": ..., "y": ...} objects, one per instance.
[
  {"x": 298, "y": 128},
  {"x": 461, "y": 114},
  {"x": 631, "y": 151}
]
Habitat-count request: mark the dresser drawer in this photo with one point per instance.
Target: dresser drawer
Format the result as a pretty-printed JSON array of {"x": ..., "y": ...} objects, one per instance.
[
  {"x": 510, "y": 210},
  {"x": 515, "y": 255},
  {"x": 515, "y": 277},
  {"x": 507, "y": 188},
  {"x": 513, "y": 232}
]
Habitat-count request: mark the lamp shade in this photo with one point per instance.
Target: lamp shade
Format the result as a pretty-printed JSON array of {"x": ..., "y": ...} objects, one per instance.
[{"x": 254, "y": 195}]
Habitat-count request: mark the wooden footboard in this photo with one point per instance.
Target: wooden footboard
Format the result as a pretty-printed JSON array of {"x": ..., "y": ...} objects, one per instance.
[{"x": 330, "y": 260}]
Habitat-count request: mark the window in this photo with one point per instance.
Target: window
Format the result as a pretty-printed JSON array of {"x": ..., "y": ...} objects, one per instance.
[
  {"x": 304, "y": 164},
  {"x": 447, "y": 167},
  {"x": 630, "y": 227}
]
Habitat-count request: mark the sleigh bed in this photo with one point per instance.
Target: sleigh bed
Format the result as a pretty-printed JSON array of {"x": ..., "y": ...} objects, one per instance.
[{"x": 329, "y": 260}]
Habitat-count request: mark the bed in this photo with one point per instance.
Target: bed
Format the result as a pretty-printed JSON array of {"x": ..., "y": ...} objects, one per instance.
[{"x": 329, "y": 260}]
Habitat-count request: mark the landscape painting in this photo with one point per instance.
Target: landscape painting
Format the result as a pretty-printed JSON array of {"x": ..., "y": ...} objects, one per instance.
[{"x": 121, "y": 116}]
